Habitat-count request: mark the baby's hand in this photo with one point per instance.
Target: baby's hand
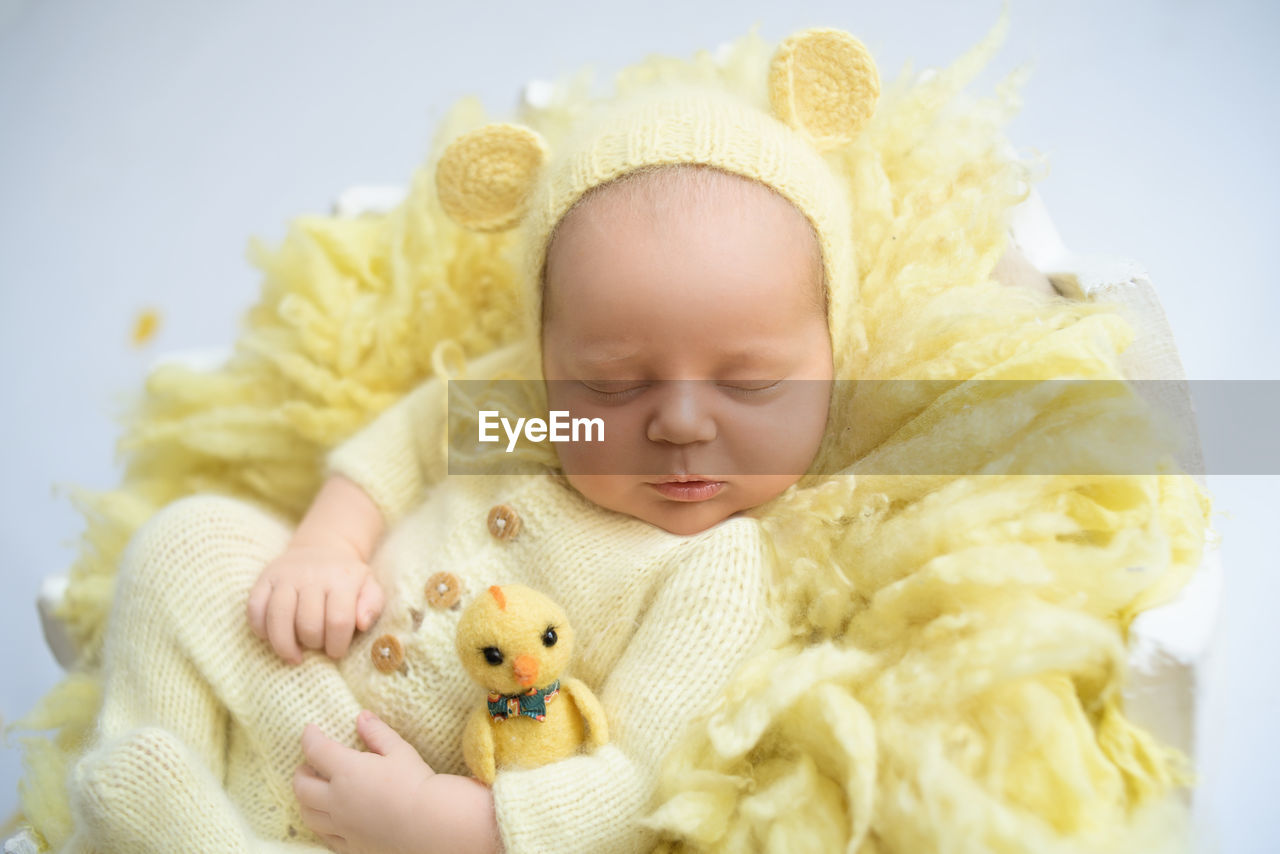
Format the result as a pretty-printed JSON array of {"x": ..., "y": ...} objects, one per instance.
[
  {"x": 386, "y": 799},
  {"x": 316, "y": 596}
]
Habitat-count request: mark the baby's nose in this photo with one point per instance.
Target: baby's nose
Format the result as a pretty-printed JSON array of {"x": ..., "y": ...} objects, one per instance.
[{"x": 683, "y": 413}]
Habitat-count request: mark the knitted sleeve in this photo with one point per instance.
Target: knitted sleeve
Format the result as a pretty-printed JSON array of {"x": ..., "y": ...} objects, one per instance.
[
  {"x": 406, "y": 448},
  {"x": 704, "y": 616},
  {"x": 401, "y": 452}
]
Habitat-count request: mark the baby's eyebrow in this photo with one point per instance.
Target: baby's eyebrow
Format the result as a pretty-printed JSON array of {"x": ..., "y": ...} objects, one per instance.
[
  {"x": 603, "y": 357},
  {"x": 750, "y": 356},
  {"x": 756, "y": 354}
]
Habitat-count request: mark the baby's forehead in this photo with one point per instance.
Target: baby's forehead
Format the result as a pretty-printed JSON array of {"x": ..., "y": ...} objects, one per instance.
[
  {"x": 676, "y": 198},
  {"x": 673, "y": 205}
]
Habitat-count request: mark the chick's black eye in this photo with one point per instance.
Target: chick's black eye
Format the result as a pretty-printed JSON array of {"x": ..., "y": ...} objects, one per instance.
[
  {"x": 492, "y": 654},
  {"x": 549, "y": 637}
]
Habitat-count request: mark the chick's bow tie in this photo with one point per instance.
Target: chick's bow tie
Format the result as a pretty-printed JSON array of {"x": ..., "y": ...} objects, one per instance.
[{"x": 531, "y": 703}]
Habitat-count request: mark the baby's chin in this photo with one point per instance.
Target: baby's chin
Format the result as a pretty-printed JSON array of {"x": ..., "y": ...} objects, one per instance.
[{"x": 686, "y": 523}]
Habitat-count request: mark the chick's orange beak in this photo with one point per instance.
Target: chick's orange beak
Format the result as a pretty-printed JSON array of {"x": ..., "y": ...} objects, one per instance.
[{"x": 526, "y": 669}]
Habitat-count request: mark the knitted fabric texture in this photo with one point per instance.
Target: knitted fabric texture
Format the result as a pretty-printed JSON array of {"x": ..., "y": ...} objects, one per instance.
[
  {"x": 180, "y": 657},
  {"x": 945, "y": 657},
  {"x": 823, "y": 86},
  {"x": 508, "y": 158}
]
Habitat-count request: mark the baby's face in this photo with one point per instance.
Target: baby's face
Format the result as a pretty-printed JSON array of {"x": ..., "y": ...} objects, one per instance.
[{"x": 692, "y": 322}]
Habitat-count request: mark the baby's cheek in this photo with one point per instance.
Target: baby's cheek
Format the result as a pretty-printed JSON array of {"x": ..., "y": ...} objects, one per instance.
[
  {"x": 615, "y": 445},
  {"x": 757, "y": 489},
  {"x": 782, "y": 438}
]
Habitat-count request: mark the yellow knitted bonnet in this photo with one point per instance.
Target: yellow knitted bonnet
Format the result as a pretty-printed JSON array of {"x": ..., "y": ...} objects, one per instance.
[{"x": 823, "y": 87}]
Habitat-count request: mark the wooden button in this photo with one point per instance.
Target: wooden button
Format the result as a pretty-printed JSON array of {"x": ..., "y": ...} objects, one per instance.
[
  {"x": 503, "y": 522},
  {"x": 443, "y": 590},
  {"x": 387, "y": 653}
]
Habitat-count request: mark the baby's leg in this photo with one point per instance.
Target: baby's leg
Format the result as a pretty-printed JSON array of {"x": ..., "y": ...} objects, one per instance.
[
  {"x": 147, "y": 792},
  {"x": 180, "y": 659}
]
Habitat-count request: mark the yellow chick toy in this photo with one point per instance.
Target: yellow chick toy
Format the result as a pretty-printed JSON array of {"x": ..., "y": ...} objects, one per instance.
[{"x": 516, "y": 643}]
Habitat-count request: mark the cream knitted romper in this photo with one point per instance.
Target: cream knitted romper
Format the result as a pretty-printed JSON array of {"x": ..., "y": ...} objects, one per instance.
[{"x": 199, "y": 732}]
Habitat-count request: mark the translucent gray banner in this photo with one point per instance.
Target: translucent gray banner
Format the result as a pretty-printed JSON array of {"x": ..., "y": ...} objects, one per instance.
[{"x": 882, "y": 427}]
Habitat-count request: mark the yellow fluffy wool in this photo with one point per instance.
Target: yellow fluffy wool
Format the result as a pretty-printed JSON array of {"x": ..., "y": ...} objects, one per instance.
[
  {"x": 946, "y": 665},
  {"x": 945, "y": 674}
]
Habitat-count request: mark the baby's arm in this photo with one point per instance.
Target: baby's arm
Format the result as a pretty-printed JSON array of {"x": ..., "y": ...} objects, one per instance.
[
  {"x": 386, "y": 799},
  {"x": 320, "y": 590}
]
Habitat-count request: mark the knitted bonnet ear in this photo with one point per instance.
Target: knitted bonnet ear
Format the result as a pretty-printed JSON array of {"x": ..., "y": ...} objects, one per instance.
[
  {"x": 823, "y": 83},
  {"x": 485, "y": 177}
]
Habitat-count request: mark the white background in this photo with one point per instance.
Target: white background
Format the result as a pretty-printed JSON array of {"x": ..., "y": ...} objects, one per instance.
[{"x": 142, "y": 143}]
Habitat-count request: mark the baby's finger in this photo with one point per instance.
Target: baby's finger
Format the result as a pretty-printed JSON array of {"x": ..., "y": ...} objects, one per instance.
[
  {"x": 340, "y": 622},
  {"x": 312, "y": 791},
  {"x": 380, "y": 738},
  {"x": 369, "y": 603},
  {"x": 336, "y": 843},
  {"x": 259, "y": 596},
  {"x": 323, "y": 754},
  {"x": 319, "y": 821},
  {"x": 310, "y": 617},
  {"x": 280, "y": 619}
]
